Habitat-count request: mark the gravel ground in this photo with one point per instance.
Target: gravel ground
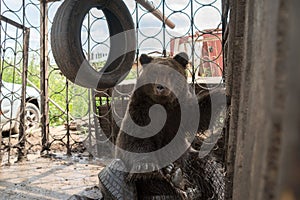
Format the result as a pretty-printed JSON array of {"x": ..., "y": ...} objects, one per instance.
[
  {"x": 47, "y": 177},
  {"x": 56, "y": 177}
]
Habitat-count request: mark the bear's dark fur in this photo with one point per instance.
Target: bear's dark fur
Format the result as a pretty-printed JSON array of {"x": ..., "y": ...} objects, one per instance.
[{"x": 146, "y": 95}]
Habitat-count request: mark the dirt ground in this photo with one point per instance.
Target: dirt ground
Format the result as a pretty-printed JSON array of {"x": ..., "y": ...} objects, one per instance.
[
  {"x": 48, "y": 178},
  {"x": 54, "y": 176}
]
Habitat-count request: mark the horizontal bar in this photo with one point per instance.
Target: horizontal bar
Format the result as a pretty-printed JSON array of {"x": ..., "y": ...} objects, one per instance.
[{"x": 11, "y": 22}]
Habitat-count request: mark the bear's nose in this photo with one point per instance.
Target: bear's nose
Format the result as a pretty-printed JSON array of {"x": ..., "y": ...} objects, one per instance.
[{"x": 160, "y": 88}]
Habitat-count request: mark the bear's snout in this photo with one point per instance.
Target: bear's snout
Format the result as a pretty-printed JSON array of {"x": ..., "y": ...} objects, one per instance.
[{"x": 160, "y": 88}]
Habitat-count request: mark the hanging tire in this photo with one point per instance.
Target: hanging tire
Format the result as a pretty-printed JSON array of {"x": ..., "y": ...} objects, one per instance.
[{"x": 67, "y": 47}]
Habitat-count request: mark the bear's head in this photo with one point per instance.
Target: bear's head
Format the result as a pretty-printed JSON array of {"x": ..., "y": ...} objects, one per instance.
[{"x": 162, "y": 80}]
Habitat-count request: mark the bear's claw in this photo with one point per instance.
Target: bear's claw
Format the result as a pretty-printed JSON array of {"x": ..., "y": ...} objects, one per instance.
[{"x": 144, "y": 167}]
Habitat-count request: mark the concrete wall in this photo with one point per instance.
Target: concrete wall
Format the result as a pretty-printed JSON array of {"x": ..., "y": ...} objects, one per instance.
[{"x": 262, "y": 83}]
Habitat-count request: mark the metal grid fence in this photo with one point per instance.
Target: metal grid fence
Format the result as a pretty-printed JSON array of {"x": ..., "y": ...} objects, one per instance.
[{"x": 72, "y": 115}]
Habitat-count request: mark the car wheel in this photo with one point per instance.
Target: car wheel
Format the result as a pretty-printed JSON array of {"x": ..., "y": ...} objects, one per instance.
[
  {"x": 67, "y": 48},
  {"x": 32, "y": 118}
]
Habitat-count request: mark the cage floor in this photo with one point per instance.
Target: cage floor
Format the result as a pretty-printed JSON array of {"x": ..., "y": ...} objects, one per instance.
[{"x": 55, "y": 177}]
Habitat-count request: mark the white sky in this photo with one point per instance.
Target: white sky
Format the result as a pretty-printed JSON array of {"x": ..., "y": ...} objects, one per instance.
[{"x": 206, "y": 17}]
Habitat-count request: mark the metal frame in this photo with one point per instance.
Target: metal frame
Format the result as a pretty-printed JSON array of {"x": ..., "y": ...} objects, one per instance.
[
  {"x": 52, "y": 110},
  {"x": 20, "y": 145}
]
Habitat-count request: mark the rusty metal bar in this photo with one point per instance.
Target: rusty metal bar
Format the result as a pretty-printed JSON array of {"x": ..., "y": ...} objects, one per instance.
[
  {"x": 157, "y": 13},
  {"x": 44, "y": 75},
  {"x": 164, "y": 30},
  {"x": 193, "y": 45},
  {"x": 22, "y": 135},
  {"x": 11, "y": 22},
  {"x": 68, "y": 134},
  {"x": 25, "y": 33}
]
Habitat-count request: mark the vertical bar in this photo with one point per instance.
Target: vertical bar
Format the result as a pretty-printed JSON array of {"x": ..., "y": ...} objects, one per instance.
[
  {"x": 44, "y": 75},
  {"x": 225, "y": 12},
  {"x": 193, "y": 44},
  {"x": 90, "y": 102},
  {"x": 225, "y": 9},
  {"x": 13, "y": 99},
  {"x": 0, "y": 81},
  {"x": 22, "y": 135},
  {"x": 1, "y": 66},
  {"x": 137, "y": 37},
  {"x": 89, "y": 36},
  {"x": 68, "y": 118},
  {"x": 110, "y": 117},
  {"x": 3, "y": 62},
  {"x": 164, "y": 30},
  {"x": 236, "y": 41},
  {"x": 96, "y": 121},
  {"x": 90, "y": 93}
]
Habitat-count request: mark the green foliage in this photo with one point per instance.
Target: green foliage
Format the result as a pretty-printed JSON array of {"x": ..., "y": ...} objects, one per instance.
[
  {"x": 132, "y": 74},
  {"x": 75, "y": 97},
  {"x": 10, "y": 73},
  {"x": 67, "y": 96},
  {"x": 79, "y": 101}
]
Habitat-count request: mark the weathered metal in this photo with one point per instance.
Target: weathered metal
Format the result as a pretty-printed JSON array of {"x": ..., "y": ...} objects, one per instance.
[
  {"x": 151, "y": 8},
  {"x": 23, "y": 40},
  {"x": 41, "y": 54}
]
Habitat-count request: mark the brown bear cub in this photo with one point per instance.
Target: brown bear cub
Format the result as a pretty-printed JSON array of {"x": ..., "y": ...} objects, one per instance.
[{"x": 152, "y": 121}]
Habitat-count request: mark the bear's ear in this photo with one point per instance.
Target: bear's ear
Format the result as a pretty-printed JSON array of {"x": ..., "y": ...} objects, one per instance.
[
  {"x": 182, "y": 58},
  {"x": 145, "y": 59}
]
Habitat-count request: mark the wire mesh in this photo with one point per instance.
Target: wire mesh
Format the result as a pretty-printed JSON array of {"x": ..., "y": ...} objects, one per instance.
[
  {"x": 71, "y": 115},
  {"x": 16, "y": 100}
]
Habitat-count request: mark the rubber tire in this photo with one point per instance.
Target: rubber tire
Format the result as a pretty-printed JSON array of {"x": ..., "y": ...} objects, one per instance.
[{"x": 67, "y": 48}]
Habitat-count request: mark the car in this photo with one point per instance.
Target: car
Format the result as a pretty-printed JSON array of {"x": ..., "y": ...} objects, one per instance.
[{"x": 10, "y": 107}]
